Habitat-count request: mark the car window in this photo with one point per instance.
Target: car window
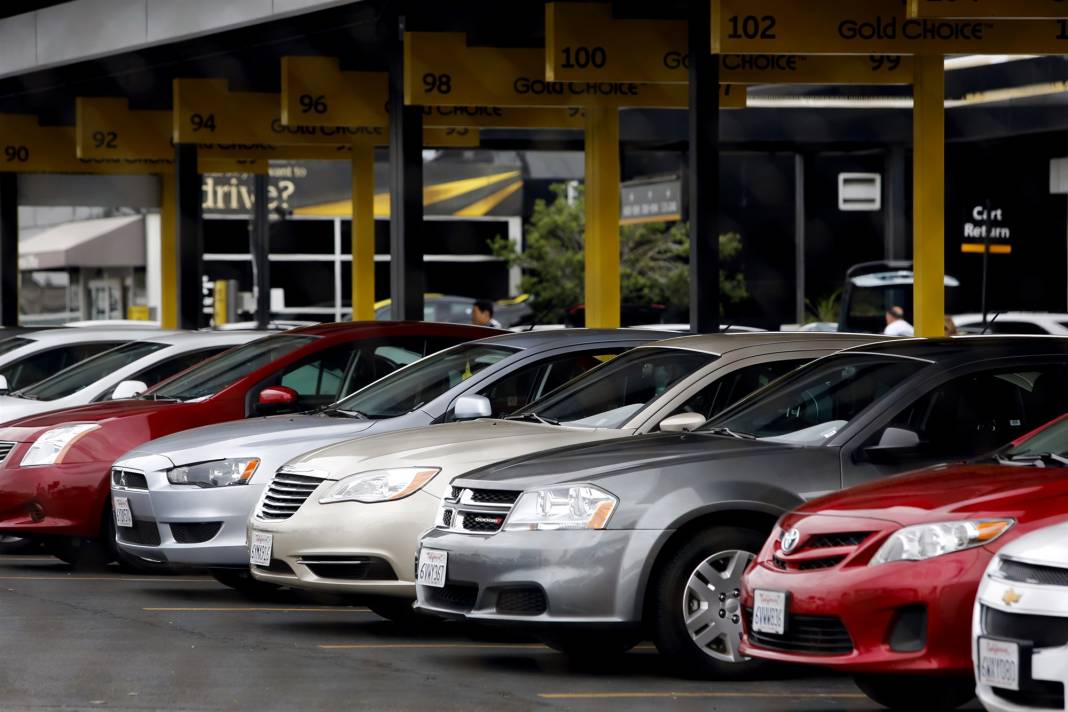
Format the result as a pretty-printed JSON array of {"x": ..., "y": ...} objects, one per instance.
[
  {"x": 15, "y": 342},
  {"x": 163, "y": 370},
  {"x": 527, "y": 384},
  {"x": 88, "y": 372},
  {"x": 42, "y": 364},
  {"x": 318, "y": 380},
  {"x": 217, "y": 374},
  {"x": 723, "y": 392},
  {"x": 613, "y": 393},
  {"x": 816, "y": 402},
  {"x": 1016, "y": 327},
  {"x": 982, "y": 411}
]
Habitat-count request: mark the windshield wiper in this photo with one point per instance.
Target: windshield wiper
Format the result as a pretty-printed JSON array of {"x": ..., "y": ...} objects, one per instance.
[
  {"x": 532, "y": 416},
  {"x": 155, "y": 397},
  {"x": 342, "y": 413},
  {"x": 1038, "y": 459},
  {"x": 731, "y": 433}
]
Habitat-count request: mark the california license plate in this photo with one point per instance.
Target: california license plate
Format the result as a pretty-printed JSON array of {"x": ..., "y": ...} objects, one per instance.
[
  {"x": 769, "y": 612},
  {"x": 999, "y": 663},
  {"x": 123, "y": 513},
  {"x": 431, "y": 569},
  {"x": 260, "y": 549}
]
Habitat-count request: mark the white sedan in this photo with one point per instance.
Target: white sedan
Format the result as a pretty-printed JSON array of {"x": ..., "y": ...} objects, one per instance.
[
  {"x": 121, "y": 372},
  {"x": 1013, "y": 323}
]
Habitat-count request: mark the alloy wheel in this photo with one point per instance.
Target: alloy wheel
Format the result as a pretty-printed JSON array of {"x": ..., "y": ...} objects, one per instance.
[{"x": 712, "y": 605}]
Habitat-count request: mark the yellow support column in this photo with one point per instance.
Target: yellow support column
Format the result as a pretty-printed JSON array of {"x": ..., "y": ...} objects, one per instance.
[
  {"x": 602, "y": 217},
  {"x": 363, "y": 232},
  {"x": 168, "y": 252},
  {"x": 929, "y": 196}
]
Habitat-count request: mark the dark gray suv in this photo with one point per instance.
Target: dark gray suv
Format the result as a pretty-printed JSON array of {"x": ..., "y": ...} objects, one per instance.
[{"x": 651, "y": 536}]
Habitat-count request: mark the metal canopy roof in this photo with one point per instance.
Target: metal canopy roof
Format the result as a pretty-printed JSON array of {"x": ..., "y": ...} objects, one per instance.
[{"x": 107, "y": 242}]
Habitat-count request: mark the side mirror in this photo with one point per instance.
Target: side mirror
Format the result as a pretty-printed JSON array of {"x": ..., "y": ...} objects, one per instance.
[
  {"x": 3, "y": 384},
  {"x": 128, "y": 389},
  {"x": 276, "y": 398},
  {"x": 682, "y": 423},
  {"x": 470, "y": 407},
  {"x": 894, "y": 444}
]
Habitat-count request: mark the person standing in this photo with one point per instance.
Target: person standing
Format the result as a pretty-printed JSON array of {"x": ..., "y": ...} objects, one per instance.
[
  {"x": 482, "y": 314},
  {"x": 896, "y": 324}
]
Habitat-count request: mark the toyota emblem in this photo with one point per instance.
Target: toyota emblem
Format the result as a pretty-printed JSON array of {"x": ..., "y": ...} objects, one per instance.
[{"x": 789, "y": 540}]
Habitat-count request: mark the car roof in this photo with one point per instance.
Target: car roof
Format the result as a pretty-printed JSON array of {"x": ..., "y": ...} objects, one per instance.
[
  {"x": 193, "y": 338},
  {"x": 569, "y": 337},
  {"x": 91, "y": 333},
  {"x": 995, "y": 317},
  {"x": 955, "y": 350},
  {"x": 344, "y": 328},
  {"x": 724, "y": 343}
]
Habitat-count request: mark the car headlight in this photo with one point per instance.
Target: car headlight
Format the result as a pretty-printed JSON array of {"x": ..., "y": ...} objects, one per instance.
[
  {"x": 53, "y": 445},
  {"x": 926, "y": 541},
  {"x": 217, "y": 473},
  {"x": 379, "y": 485},
  {"x": 571, "y": 507}
]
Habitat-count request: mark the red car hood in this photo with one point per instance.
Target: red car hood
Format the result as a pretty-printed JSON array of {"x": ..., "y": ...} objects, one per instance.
[
  {"x": 27, "y": 429},
  {"x": 947, "y": 492}
]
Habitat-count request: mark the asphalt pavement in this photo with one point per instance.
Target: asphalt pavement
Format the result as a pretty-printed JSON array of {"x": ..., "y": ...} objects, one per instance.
[{"x": 113, "y": 640}]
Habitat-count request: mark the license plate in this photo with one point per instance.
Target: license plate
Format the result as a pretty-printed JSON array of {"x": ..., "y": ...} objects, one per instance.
[
  {"x": 431, "y": 569},
  {"x": 999, "y": 663},
  {"x": 260, "y": 550},
  {"x": 769, "y": 612},
  {"x": 123, "y": 513}
]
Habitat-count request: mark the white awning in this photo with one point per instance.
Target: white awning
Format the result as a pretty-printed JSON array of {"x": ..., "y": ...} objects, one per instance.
[{"x": 107, "y": 242}]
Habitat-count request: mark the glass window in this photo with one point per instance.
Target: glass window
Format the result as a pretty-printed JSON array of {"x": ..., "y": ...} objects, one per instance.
[
  {"x": 816, "y": 402},
  {"x": 90, "y": 371},
  {"x": 529, "y": 383},
  {"x": 1016, "y": 327},
  {"x": 982, "y": 411},
  {"x": 15, "y": 342},
  {"x": 422, "y": 382},
  {"x": 167, "y": 368},
  {"x": 728, "y": 390},
  {"x": 42, "y": 364},
  {"x": 231, "y": 367},
  {"x": 321, "y": 376},
  {"x": 612, "y": 394}
]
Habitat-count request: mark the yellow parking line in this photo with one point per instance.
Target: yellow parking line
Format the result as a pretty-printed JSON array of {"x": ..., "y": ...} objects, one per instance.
[
  {"x": 251, "y": 609},
  {"x": 724, "y": 695},
  {"x": 107, "y": 578},
  {"x": 432, "y": 646}
]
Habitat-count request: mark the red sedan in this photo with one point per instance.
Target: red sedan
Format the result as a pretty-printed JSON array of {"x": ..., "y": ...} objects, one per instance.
[
  {"x": 879, "y": 581},
  {"x": 54, "y": 467}
]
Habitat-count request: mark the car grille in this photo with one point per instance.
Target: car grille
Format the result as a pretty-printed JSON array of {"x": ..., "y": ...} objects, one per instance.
[
  {"x": 1032, "y": 573},
  {"x": 127, "y": 479},
  {"x": 353, "y": 568},
  {"x": 845, "y": 542},
  {"x": 1035, "y": 694},
  {"x": 1040, "y": 631},
  {"x": 195, "y": 533},
  {"x": 818, "y": 635},
  {"x": 834, "y": 541},
  {"x": 5, "y": 450},
  {"x": 522, "y": 601},
  {"x": 476, "y": 511},
  {"x": 286, "y": 493},
  {"x": 277, "y": 567},
  {"x": 144, "y": 532},
  {"x": 453, "y": 596}
]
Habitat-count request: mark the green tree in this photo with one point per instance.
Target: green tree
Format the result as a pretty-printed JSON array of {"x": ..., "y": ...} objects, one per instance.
[{"x": 654, "y": 260}]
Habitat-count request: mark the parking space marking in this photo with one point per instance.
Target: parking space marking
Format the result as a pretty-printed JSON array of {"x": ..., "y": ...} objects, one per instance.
[
  {"x": 702, "y": 694},
  {"x": 434, "y": 646},
  {"x": 250, "y": 609},
  {"x": 158, "y": 579}
]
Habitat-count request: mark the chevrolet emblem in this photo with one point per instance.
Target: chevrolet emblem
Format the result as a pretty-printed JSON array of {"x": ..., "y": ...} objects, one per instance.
[{"x": 1010, "y": 597}]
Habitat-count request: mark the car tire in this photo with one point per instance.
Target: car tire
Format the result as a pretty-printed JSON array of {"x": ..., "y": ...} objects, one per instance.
[
  {"x": 399, "y": 611},
  {"x": 13, "y": 545},
  {"x": 242, "y": 581},
  {"x": 587, "y": 645},
  {"x": 899, "y": 692},
  {"x": 697, "y": 627}
]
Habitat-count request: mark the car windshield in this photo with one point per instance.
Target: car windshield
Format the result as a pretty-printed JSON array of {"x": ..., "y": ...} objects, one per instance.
[
  {"x": 610, "y": 395},
  {"x": 88, "y": 372},
  {"x": 817, "y": 401},
  {"x": 1049, "y": 443},
  {"x": 225, "y": 370},
  {"x": 12, "y": 343},
  {"x": 414, "y": 386}
]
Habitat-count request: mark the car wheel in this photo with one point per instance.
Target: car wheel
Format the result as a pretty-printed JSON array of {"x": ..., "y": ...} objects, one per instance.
[
  {"x": 82, "y": 554},
  {"x": 17, "y": 545},
  {"x": 899, "y": 692},
  {"x": 245, "y": 583},
  {"x": 588, "y": 645},
  {"x": 399, "y": 611},
  {"x": 696, "y": 612}
]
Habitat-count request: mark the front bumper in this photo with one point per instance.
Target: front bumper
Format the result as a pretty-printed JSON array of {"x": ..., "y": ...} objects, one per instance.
[
  {"x": 882, "y": 609},
  {"x": 348, "y": 547},
  {"x": 566, "y": 578},
  {"x": 182, "y": 525},
  {"x": 1049, "y": 665},
  {"x": 52, "y": 500}
]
